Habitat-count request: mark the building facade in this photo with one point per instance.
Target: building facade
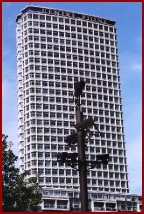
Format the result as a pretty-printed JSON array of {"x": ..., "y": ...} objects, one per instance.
[{"x": 56, "y": 48}]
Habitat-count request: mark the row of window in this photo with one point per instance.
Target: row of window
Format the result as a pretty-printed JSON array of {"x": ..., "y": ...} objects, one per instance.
[
  {"x": 54, "y": 164},
  {"x": 100, "y": 90},
  {"x": 59, "y": 131},
  {"x": 90, "y": 104},
  {"x": 62, "y": 77},
  {"x": 69, "y": 63},
  {"x": 92, "y": 150},
  {"x": 70, "y": 86},
  {"x": 90, "y": 195},
  {"x": 57, "y": 192},
  {"x": 78, "y": 30},
  {"x": 72, "y": 49},
  {"x": 57, "y": 116},
  {"x": 72, "y": 71},
  {"x": 109, "y": 121},
  {"x": 67, "y": 42},
  {"x": 60, "y": 140},
  {"x": 63, "y": 92},
  {"x": 54, "y": 131},
  {"x": 66, "y": 71},
  {"x": 69, "y": 172},
  {"x": 108, "y": 115},
  {"x": 69, "y": 21},
  {"x": 46, "y": 122},
  {"x": 89, "y": 147},
  {"x": 73, "y": 57},
  {"x": 89, "y": 182},
  {"x": 60, "y": 124},
  {"x": 65, "y": 38},
  {"x": 95, "y": 189},
  {"x": 71, "y": 108},
  {"x": 45, "y": 106},
  {"x": 66, "y": 100},
  {"x": 70, "y": 116},
  {"x": 48, "y": 155}
]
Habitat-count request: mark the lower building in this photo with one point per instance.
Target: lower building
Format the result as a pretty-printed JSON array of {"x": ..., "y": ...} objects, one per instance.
[{"x": 69, "y": 200}]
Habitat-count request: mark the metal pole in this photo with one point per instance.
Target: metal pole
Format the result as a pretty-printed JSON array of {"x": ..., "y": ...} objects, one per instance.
[{"x": 82, "y": 161}]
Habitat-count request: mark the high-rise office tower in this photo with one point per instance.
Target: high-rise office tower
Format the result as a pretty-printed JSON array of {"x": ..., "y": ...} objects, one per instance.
[{"x": 56, "y": 48}]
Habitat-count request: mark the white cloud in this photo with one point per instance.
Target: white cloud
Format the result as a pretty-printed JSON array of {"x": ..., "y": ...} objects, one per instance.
[
  {"x": 136, "y": 66},
  {"x": 130, "y": 62},
  {"x": 139, "y": 40}
]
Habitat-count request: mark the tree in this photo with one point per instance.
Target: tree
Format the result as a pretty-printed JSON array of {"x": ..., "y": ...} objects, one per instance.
[{"x": 18, "y": 192}]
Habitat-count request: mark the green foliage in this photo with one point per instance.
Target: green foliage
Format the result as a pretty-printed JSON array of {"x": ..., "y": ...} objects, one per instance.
[{"x": 18, "y": 192}]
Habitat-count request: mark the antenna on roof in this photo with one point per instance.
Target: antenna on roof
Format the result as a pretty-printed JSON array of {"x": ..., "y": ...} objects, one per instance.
[
  {"x": 29, "y": 3},
  {"x": 35, "y": 3}
]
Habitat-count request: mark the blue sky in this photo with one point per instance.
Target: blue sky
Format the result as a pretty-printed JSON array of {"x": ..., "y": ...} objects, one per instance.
[{"x": 128, "y": 17}]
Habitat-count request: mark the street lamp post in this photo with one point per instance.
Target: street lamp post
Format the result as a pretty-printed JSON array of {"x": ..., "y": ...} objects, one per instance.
[
  {"x": 81, "y": 159},
  {"x": 78, "y": 139}
]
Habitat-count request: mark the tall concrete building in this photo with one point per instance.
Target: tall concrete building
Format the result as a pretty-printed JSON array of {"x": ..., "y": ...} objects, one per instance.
[{"x": 56, "y": 48}]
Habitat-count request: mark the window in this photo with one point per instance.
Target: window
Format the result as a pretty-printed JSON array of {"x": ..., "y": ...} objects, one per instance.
[
  {"x": 59, "y": 131},
  {"x": 59, "y": 115},
  {"x": 62, "y": 180},
  {"x": 111, "y": 183},
  {"x": 99, "y": 182},
  {"x": 47, "y": 171},
  {"x": 106, "y": 183},
  {"x": 47, "y": 154},
  {"x": 53, "y": 139},
  {"x": 68, "y": 180},
  {"x": 60, "y": 147},
  {"x": 48, "y": 180},
  {"x": 46, "y": 138},
  {"x": 60, "y": 139},
  {"x": 42, "y": 24}
]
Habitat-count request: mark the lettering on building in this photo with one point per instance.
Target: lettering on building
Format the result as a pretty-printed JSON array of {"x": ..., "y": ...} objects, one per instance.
[{"x": 73, "y": 15}]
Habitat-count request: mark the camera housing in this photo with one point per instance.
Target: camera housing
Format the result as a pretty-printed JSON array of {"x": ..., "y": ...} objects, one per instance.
[
  {"x": 78, "y": 87},
  {"x": 84, "y": 124}
]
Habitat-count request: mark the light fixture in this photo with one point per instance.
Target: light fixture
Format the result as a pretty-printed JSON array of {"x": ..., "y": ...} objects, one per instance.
[
  {"x": 102, "y": 158},
  {"x": 78, "y": 87},
  {"x": 84, "y": 124},
  {"x": 65, "y": 157},
  {"x": 71, "y": 139},
  {"x": 61, "y": 157}
]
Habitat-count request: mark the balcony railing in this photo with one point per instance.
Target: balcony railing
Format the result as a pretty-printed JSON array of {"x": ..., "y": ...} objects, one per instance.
[
  {"x": 110, "y": 209},
  {"x": 104, "y": 209},
  {"x": 62, "y": 206},
  {"x": 99, "y": 209},
  {"x": 49, "y": 206}
]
